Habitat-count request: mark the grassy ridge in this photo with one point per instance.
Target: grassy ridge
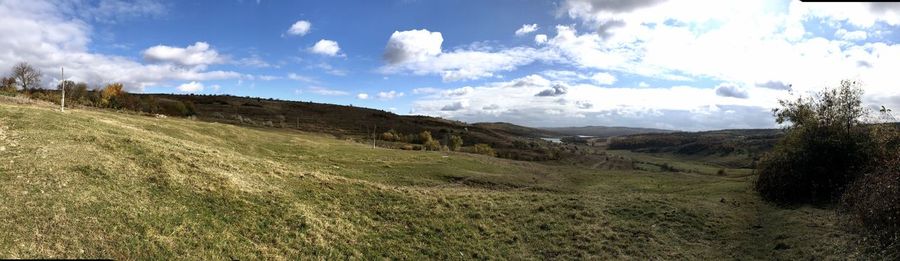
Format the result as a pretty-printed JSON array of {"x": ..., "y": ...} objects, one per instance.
[{"x": 101, "y": 184}]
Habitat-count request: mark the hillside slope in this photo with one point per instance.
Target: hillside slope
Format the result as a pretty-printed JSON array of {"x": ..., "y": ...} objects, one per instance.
[{"x": 91, "y": 183}]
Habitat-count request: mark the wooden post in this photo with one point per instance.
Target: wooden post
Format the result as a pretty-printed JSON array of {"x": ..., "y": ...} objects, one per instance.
[
  {"x": 62, "y": 81},
  {"x": 374, "y": 129}
]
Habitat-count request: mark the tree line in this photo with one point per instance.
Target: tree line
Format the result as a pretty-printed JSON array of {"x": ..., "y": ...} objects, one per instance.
[{"x": 25, "y": 79}]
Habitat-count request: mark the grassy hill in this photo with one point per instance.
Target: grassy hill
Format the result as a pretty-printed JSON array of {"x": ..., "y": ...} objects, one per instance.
[
  {"x": 355, "y": 122},
  {"x": 92, "y": 183}
]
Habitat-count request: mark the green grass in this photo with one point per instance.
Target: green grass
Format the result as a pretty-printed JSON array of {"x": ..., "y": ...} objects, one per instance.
[{"x": 91, "y": 183}]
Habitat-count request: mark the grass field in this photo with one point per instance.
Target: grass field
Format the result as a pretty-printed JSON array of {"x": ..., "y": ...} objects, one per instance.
[{"x": 90, "y": 183}]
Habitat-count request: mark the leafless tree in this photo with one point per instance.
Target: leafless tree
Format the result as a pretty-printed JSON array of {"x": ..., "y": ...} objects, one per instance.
[{"x": 26, "y": 75}]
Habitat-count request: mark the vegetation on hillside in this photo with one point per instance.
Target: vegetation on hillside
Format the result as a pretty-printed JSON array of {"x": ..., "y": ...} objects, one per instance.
[{"x": 831, "y": 150}]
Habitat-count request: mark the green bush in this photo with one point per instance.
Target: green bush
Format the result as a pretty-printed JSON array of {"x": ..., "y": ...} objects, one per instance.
[
  {"x": 433, "y": 145},
  {"x": 455, "y": 143},
  {"x": 484, "y": 149},
  {"x": 825, "y": 148}
]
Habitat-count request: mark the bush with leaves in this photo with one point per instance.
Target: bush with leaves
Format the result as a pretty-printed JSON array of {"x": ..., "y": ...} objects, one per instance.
[
  {"x": 826, "y": 147},
  {"x": 455, "y": 143},
  {"x": 432, "y": 145},
  {"x": 484, "y": 149}
]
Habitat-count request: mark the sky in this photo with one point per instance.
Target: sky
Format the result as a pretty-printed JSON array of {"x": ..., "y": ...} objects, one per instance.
[{"x": 684, "y": 65}]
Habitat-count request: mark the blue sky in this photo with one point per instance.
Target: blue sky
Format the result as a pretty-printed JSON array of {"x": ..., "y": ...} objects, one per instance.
[{"x": 688, "y": 65}]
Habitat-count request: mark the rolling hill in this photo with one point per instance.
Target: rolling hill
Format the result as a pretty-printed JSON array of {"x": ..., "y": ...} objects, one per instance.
[{"x": 96, "y": 183}]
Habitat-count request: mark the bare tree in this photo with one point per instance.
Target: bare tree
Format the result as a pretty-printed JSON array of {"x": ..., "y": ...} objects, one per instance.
[{"x": 26, "y": 75}]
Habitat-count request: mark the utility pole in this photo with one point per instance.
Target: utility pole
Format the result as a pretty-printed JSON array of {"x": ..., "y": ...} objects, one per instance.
[{"x": 62, "y": 81}]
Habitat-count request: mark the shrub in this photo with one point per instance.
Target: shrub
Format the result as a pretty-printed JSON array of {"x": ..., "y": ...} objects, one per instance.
[
  {"x": 825, "y": 148},
  {"x": 455, "y": 143},
  {"x": 432, "y": 145},
  {"x": 484, "y": 149},
  {"x": 388, "y": 136},
  {"x": 111, "y": 95},
  {"x": 425, "y": 137},
  {"x": 873, "y": 202}
]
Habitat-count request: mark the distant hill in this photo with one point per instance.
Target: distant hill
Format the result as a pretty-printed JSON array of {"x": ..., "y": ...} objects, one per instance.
[
  {"x": 603, "y": 131},
  {"x": 516, "y": 130},
  {"x": 358, "y": 122},
  {"x": 742, "y": 146}
]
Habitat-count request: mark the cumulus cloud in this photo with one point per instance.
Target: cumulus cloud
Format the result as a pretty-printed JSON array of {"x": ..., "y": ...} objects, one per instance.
[
  {"x": 555, "y": 90},
  {"x": 458, "y": 91},
  {"x": 191, "y": 87},
  {"x": 326, "y": 47},
  {"x": 362, "y": 96},
  {"x": 419, "y": 52},
  {"x": 389, "y": 95},
  {"x": 455, "y": 106},
  {"x": 540, "y": 38},
  {"x": 40, "y": 33},
  {"x": 775, "y": 85},
  {"x": 526, "y": 29},
  {"x": 731, "y": 90},
  {"x": 412, "y": 45},
  {"x": 603, "y": 78},
  {"x": 198, "y": 54},
  {"x": 300, "y": 28}
]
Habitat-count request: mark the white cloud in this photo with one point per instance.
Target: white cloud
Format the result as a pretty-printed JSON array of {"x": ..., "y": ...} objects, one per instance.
[
  {"x": 300, "y": 28},
  {"x": 389, "y": 95},
  {"x": 190, "y": 87},
  {"x": 198, "y": 54},
  {"x": 40, "y": 33},
  {"x": 731, "y": 90},
  {"x": 585, "y": 103},
  {"x": 603, "y": 78},
  {"x": 362, "y": 96},
  {"x": 526, "y": 29},
  {"x": 540, "y": 38},
  {"x": 326, "y": 47},
  {"x": 419, "y": 52},
  {"x": 413, "y": 45},
  {"x": 301, "y": 78},
  {"x": 426, "y": 90}
]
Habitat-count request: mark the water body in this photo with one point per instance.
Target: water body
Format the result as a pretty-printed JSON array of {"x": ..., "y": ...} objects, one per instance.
[{"x": 554, "y": 140}]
